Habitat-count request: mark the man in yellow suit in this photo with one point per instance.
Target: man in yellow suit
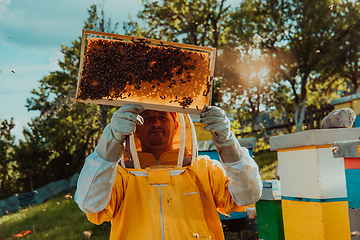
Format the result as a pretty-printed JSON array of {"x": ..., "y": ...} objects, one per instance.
[{"x": 146, "y": 178}]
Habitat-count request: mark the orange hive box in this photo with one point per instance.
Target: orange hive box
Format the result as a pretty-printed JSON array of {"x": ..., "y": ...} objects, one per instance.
[{"x": 156, "y": 74}]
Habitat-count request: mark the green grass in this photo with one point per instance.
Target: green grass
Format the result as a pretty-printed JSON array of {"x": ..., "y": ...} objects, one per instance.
[
  {"x": 267, "y": 161},
  {"x": 245, "y": 235},
  {"x": 61, "y": 220}
]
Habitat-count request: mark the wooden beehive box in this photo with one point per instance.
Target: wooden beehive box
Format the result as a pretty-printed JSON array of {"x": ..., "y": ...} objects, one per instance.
[{"x": 159, "y": 75}]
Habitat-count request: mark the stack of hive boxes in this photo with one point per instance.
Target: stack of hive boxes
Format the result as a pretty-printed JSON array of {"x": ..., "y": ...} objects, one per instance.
[
  {"x": 269, "y": 212},
  {"x": 350, "y": 151},
  {"x": 313, "y": 186}
]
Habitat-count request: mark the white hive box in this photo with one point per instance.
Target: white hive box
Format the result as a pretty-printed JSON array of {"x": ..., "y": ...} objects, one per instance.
[
  {"x": 312, "y": 173},
  {"x": 307, "y": 166},
  {"x": 271, "y": 190}
]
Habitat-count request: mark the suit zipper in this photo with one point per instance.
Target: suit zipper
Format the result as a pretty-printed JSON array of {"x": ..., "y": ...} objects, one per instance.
[{"x": 162, "y": 215}]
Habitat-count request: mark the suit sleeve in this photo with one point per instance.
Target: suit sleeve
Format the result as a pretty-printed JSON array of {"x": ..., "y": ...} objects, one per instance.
[
  {"x": 95, "y": 184},
  {"x": 116, "y": 197},
  {"x": 244, "y": 184},
  {"x": 234, "y": 185}
]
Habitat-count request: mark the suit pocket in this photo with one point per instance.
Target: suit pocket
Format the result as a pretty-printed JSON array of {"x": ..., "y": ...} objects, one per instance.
[{"x": 194, "y": 211}]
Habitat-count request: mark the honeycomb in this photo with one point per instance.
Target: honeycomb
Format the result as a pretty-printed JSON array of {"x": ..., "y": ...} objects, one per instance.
[{"x": 116, "y": 70}]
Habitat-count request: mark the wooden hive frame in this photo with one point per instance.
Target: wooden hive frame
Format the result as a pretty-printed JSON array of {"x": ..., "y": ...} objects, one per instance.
[{"x": 116, "y": 102}]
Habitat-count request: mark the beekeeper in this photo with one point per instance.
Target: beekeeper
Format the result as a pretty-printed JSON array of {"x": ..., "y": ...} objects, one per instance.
[{"x": 146, "y": 178}]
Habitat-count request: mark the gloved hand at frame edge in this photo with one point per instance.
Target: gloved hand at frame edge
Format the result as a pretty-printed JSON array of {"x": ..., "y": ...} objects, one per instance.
[
  {"x": 218, "y": 124},
  {"x": 123, "y": 123}
]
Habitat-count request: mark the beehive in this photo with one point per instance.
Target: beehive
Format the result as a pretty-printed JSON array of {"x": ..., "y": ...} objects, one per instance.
[
  {"x": 350, "y": 151},
  {"x": 269, "y": 212},
  {"x": 156, "y": 74},
  {"x": 313, "y": 187}
]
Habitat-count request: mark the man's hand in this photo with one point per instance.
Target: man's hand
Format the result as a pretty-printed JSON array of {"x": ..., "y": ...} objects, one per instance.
[
  {"x": 223, "y": 138},
  {"x": 217, "y": 123},
  {"x": 124, "y": 120},
  {"x": 123, "y": 123}
]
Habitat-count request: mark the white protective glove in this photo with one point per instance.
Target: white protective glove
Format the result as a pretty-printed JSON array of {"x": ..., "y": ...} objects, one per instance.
[
  {"x": 123, "y": 123},
  {"x": 244, "y": 179},
  {"x": 223, "y": 138}
]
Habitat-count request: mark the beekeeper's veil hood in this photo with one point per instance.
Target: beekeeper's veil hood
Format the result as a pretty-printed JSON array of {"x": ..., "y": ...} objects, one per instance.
[{"x": 184, "y": 148}]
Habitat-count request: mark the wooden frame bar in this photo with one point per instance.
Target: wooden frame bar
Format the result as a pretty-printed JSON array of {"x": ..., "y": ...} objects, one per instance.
[{"x": 210, "y": 51}]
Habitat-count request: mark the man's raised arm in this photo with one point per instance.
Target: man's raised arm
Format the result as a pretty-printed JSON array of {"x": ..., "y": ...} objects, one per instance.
[
  {"x": 99, "y": 171},
  {"x": 243, "y": 173}
]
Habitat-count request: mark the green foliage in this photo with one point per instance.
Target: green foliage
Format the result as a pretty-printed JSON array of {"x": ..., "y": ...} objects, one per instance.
[
  {"x": 300, "y": 37},
  {"x": 6, "y": 157},
  {"x": 269, "y": 52},
  {"x": 267, "y": 162},
  {"x": 65, "y": 132},
  {"x": 192, "y": 22},
  {"x": 94, "y": 22},
  {"x": 246, "y": 80},
  {"x": 56, "y": 219},
  {"x": 341, "y": 67}
]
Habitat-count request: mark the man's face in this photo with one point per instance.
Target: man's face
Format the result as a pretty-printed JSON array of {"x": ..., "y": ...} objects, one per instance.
[{"x": 157, "y": 131}]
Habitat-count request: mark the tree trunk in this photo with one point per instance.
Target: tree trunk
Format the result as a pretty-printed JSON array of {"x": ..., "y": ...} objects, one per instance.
[
  {"x": 253, "y": 123},
  {"x": 299, "y": 115},
  {"x": 103, "y": 114},
  {"x": 31, "y": 183},
  {"x": 4, "y": 187}
]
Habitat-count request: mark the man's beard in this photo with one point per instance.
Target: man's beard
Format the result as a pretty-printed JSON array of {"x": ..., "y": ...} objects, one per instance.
[
  {"x": 157, "y": 140},
  {"x": 157, "y": 136}
]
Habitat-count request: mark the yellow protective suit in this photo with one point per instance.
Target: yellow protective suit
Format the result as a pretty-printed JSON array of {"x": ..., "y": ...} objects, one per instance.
[{"x": 164, "y": 199}]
